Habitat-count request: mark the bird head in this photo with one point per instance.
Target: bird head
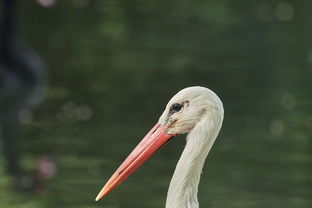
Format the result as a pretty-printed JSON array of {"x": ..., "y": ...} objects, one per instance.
[
  {"x": 181, "y": 115},
  {"x": 188, "y": 107}
]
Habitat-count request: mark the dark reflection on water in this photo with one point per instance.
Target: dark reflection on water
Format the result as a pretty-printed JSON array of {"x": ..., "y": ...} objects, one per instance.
[{"x": 113, "y": 65}]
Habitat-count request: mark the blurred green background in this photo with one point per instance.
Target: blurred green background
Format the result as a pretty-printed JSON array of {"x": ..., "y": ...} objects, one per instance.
[{"x": 114, "y": 64}]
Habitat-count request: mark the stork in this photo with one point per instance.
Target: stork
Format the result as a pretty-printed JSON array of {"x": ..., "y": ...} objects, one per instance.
[{"x": 197, "y": 111}]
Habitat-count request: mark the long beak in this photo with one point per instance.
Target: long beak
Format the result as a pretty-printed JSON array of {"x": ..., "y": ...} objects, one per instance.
[{"x": 154, "y": 139}]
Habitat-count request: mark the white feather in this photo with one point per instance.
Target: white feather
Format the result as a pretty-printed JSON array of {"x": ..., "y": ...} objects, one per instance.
[{"x": 202, "y": 117}]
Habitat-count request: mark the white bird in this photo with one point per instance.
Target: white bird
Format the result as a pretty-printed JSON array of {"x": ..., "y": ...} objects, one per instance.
[{"x": 197, "y": 111}]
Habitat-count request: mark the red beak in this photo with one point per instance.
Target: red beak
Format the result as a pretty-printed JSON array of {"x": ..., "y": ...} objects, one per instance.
[{"x": 154, "y": 139}]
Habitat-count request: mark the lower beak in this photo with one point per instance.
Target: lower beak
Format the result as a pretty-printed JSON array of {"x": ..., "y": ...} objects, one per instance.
[{"x": 154, "y": 139}]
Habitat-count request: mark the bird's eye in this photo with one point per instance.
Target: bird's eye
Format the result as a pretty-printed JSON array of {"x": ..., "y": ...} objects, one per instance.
[{"x": 175, "y": 107}]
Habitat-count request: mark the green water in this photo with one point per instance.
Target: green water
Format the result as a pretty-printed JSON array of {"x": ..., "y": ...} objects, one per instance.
[{"x": 112, "y": 67}]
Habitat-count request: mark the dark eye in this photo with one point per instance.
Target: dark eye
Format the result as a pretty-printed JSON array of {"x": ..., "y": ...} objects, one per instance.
[{"x": 175, "y": 107}]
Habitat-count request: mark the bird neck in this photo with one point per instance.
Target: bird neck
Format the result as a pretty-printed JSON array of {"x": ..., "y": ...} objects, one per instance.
[{"x": 183, "y": 187}]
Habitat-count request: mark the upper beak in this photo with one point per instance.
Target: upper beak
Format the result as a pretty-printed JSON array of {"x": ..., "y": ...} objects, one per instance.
[{"x": 154, "y": 139}]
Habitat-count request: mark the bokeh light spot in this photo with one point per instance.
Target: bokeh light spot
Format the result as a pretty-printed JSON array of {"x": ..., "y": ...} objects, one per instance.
[
  {"x": 284, "y": 11},
  {"x": 277, "y": 127},
  {"x": 25, "y": 116},
  {"x": 83, "y": 112}
]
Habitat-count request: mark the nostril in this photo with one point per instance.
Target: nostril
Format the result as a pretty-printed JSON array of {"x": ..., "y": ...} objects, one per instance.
[{"x": 154, "y": 131}]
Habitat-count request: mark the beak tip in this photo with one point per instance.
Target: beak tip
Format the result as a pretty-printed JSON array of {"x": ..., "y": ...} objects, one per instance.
[
  {"x": 102, "y": 193},
  {"x": 99, "y": 196}
]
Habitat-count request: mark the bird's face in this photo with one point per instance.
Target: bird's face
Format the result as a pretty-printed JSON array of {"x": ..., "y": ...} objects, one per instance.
[
  {"x": 186, "y": 108},
  {"x": 181, "y": 115}
]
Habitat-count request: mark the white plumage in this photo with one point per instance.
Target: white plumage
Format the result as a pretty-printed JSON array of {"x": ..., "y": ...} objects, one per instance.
[
  {"x": 197, "y": 111},
  {"x": 203, "y": 119}
]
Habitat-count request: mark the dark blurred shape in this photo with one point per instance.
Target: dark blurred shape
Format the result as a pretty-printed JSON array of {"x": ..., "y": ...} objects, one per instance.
[{"x": 21, "y": 84}]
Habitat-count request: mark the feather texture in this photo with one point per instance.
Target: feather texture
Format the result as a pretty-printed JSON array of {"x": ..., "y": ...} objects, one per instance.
[{"x": 202, "y": 118}]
